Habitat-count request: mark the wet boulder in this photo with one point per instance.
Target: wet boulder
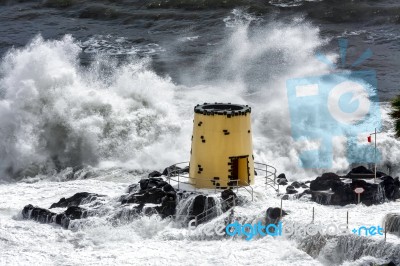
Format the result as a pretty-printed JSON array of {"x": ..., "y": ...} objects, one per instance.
[
  {"x": 168, "y": 205},
  {"x": 324, "y": 182},
  {"x": 153, "y": 191},
  {"x": 153, "y": 195},
  {"x": 228, "y": 193},
  {"x": 291, "y": 190},
  {"x": 152, "y": 182},
  {"x": 72, "y": 213},
  {"x": 171, "y": 170},
  {"x": 360, "y": 172},
  {"x": 392, "y": 223},
  {"x": 229, "y": 198},
  {"x": 275, "y": 213},
  {"x": 76, "y": 200},
  {"x": 303, "y": 185},
  {"x": 202, "y": 208},
  {"x": 45, "y": 216},
  {"x": 332, "y": 191},
  {"x": 37, "y": 214},
  {"x": 391, "y": 187},
  {"x": 281, "y": 180},
  {"x": 296, "y": 184},
  {"x": 155, "y": 174}
]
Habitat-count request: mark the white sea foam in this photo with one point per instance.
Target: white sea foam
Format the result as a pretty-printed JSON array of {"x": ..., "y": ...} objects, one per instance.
[{"x": 55, "y": 114}]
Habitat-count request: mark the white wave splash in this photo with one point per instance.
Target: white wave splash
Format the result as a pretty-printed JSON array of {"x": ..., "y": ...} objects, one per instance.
[{"x": 55, "y": 113}]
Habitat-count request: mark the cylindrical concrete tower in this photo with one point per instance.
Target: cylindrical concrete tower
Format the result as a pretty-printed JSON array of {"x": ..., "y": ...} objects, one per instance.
[{"x": 222, "y": 148}]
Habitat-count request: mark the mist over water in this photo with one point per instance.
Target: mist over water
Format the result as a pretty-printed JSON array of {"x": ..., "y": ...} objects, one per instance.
[{"x": 56, "y": 113}]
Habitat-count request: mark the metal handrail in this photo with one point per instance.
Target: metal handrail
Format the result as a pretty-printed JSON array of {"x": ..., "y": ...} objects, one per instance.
[
  {"x": 177, "y": 173},
  {"x": 270, "y": 180},
  {"x": 196, "y": 217},
  {"x": 270, "y": 175}
]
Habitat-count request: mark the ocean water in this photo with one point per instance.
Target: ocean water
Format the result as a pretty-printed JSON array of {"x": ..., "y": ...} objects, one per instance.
[{"x": 95, "y": 95}]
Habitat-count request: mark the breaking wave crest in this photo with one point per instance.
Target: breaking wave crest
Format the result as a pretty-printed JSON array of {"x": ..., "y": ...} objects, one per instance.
[{"x": 56, "y": 113}]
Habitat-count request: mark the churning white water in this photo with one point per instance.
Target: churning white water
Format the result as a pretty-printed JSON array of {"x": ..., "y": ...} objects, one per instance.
[{"x": 56, "y": 114}]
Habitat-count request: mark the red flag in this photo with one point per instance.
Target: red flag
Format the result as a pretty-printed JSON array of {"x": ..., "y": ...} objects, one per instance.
[{"x": 369, "y": 138}]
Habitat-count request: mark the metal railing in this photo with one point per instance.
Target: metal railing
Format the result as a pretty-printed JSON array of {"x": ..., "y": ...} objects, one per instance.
[
  {"x": 181, "y": 177},
  {"x": 207, "y": 213},
  {"x": 270, "y": 174},
  {"x": 178, "y": 174}
]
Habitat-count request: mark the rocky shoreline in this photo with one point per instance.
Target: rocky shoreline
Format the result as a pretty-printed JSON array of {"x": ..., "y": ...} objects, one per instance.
[
  {"x": 332, "y": 189},
  {"x": 153, "y": 195}
]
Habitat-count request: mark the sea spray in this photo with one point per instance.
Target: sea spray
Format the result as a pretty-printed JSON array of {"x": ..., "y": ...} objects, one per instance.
[{"x": 56, "y": 113}]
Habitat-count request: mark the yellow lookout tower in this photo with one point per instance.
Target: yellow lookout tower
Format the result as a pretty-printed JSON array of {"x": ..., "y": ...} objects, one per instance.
[{"x": 222, "y": 148}]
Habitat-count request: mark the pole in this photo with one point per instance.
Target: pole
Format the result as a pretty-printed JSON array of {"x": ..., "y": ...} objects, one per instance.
[
  {"x": 313, "y": 214},
  {"x": 375, "y": 158},
  {"x": 385, "y": 229},
  {"x": 281, "y": 210},
  {"x": 347, "y": 220},
  {"x": 358, "y": 194}
]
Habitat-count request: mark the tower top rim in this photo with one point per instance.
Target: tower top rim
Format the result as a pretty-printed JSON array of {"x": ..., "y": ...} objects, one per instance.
[{"x": 222, "y": 109}]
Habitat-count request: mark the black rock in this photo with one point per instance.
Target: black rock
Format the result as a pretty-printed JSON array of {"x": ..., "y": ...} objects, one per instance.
[
  {"x": 291, "y": 190},
  {"x": 300, "y": 195},
  {"x": 76, "y": 200},
  {"x": 397, "y": 181},
  {"x": 72, "y": 213},
  {"x": 391, "y": 187},
  {"x": 380, "y": 174},
  {"x": 324, "y": 182},
  {"x": 38, "y": 214},
  {"x": 152, "y": 195},
  {"x": 185, "y": 170},
  {"x": 281, "y": 182},
  {"x": 282, "y": 175},
  {"x": 133, "y": 188},
  {"x": 168, "y": 206},
  {"x": 228, "y": 193},
  {"x": 307, "y": 191},
  {"x": 46, "y": 216},
  {"x": 332, "y": 191},
  {"x": 152, "y": 182},
  {"x": 198, "y": 205},
  {"x": 285, "y": 197},
  {"x": 168, "y": 188},
  {"x": 303, "y": 185},
  {"x": 360, "y": 172},
  {"x": 275, "y": 213},
  {"x": 173, "y": 170},
  {"x": 296, "y": 184},
  {"x": 155, "y": 174},
  {"x": 230, "y": 199},
  {"x": 156, "y": 191}
]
